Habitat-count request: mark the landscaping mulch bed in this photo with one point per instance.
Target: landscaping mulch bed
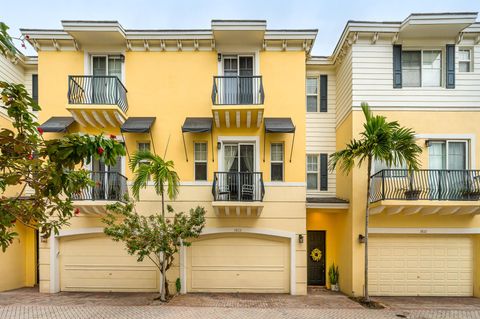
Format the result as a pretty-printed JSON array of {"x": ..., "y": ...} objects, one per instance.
[{"x": 370, "y": 304}]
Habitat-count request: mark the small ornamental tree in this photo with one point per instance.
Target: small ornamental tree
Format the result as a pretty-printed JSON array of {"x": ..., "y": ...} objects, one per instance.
[
  {"x": 154, "y": 237},
  {"x": 49, "y": 169}
]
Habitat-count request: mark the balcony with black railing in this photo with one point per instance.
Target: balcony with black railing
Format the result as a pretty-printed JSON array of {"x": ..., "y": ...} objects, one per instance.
[
  {"x": 97, "y": 101},
  {"x": 108, "y": 186},
  {"x": 238, "y": 100},
  {"x": 426, "y": 190},
  {"x": 238, "y": 186}
]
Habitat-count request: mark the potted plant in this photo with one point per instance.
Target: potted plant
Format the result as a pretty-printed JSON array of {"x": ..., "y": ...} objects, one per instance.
[{"x": 333, "y": 276}]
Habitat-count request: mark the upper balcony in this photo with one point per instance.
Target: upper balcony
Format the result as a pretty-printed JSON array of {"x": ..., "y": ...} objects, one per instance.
[
  {"x": 109, "y": 187},
  {"x": 238, "y": 101},
  {"x": 238, "y": 192},
  {"x": 97, "y": 101},
  {"x": 426, "y": 191}
]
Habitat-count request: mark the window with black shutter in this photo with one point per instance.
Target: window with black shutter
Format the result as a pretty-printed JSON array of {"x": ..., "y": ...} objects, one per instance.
[
  {"x": 323, "y": 172},
  {"x": 450, "y": 68},
  {"x": 323, "y": 93},
  {"x": 35, "y": 87}
]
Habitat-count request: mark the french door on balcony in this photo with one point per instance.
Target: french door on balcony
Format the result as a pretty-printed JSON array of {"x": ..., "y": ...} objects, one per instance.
[
  {"x": 106, "y": 179},
  {"x": 104, "y": 67},
  {"x": 238, "y": 84},
  {"x": 449, "y": 162},
  {"x": 237, "y": 179}
]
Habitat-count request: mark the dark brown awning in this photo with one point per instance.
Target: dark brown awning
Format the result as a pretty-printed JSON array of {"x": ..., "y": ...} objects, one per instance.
[
  {"x": 279, "y": 125},
  {"x": 197, "y": 125}
]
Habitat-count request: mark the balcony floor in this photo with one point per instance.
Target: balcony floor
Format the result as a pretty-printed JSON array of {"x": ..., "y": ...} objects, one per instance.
[{"x": 424, "y": 207}]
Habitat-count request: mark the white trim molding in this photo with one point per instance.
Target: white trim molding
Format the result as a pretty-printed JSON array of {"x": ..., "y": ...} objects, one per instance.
[
  {"x": 245, "y": 230},
  {"x": 425, "y": 231}
]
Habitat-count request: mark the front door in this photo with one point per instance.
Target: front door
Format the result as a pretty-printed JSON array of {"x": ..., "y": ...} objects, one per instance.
[{"x": 316, "y": 258}]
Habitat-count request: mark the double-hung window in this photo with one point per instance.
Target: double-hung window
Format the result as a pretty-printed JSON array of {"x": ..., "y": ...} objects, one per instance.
[
  {"x": 200, "y": 159},
  {"x": 312, "y": 172},
  {"x": 422, "y": 68},
  {"x": 312, "y": 94},
  {"x": 465, "y": 60},
  {"x": 143, "y": 146},
  {"x": 276, "y": 162}
]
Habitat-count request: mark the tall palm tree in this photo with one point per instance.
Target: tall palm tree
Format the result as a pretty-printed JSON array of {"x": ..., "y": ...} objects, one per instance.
[
  {"x": 383, "y": 141},
  {"x": 148, "y": 166}
]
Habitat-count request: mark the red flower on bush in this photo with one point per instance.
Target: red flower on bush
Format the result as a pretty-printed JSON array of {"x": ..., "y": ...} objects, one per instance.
[
  {"x": 40, "y": 130},
  {"x": 30, "y": 156},
  {"x": 112, "y": 136},
  {"x": 76, "y": 211},
  {"x": 27, "y": 37},
  {"x": 100, "y": 150}
]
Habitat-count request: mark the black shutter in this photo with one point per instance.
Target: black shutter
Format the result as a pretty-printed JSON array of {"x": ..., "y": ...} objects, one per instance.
[
  {"x": 450, "y": 58},
  {"x": 323, "y": 172},
  {"x": 323, "y": 93},
  {"x": 35, "y": 87},
  {"x": 397, "y": 66}
]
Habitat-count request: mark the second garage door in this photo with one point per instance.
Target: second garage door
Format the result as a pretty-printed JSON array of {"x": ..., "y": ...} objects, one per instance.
[
  {"x": 401, "y": 265},
  {"x": 96, "y": 263},
  {"x": 238, "y": 263}
]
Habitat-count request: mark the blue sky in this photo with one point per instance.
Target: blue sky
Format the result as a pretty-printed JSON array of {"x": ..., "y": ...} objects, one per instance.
[{"x": 329, "y": 17}]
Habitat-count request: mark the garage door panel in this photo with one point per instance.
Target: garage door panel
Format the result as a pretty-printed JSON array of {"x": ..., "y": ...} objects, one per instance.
[
  {"x": 238, "y": 263},
  {"x": 402, "y": 265},
  {"x": 96, "y": 263}
]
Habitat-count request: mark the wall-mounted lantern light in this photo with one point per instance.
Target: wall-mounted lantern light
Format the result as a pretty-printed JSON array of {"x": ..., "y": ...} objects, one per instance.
[
  {"x": 300, "y": 239},
  {"x": 361, "y": 239},
  {"x": 219, "y": 57}
]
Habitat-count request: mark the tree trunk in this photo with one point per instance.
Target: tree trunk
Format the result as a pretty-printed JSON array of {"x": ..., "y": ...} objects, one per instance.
[
  {"x": 163, "y": 206},
  {"x": 366, "y": 295},
  {"x": 163, "y": 289}
]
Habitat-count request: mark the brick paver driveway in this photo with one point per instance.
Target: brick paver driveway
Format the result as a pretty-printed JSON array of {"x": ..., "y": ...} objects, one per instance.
[{"x": 28, "y": 303}]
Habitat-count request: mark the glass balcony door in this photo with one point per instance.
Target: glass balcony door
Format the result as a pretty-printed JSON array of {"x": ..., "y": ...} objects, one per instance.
[
  {"x": 103, "y": 87},
  {"x": 239, "y": 165},
  {"x": 238, "y": 85},
  {"x": 106, "y": 179},
  {"x": 449, "y": 160}
]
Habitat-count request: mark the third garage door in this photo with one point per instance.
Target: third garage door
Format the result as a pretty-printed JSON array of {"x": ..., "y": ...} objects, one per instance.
[
  {"x": 238, "y": 263},
  {"x": 420, "y": 265}
]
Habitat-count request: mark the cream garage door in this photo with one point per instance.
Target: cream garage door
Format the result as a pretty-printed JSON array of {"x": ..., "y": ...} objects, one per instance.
[
  {"x": 420, "y": 265},
  {"x": 238, "y": 263},
  {"x": 97, "y": 263}
]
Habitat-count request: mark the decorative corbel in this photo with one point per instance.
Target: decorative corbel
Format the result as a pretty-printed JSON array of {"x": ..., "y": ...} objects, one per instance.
[
  {"x": 395, "y": 38},
  {"x": 162, "y": 45},
  {"x": 459, "y": 38},
  {"x": 36, "y": 45},
  {"x": 284, "y": 45},
  {"x": 146, "y": 45},
  {"x": 195, "y": 44},
  {"x": 129, "y": 45},
  {"x": 75, "y": 45},
  {"x": 375, "y": 38},
  {"x": 477, "y": 40},
  {"x": 179, "y": 45},
  {"x": 264, "y": 45},
  {"x": 55, "y": 45},
  {"x": 213, "y": 44}
]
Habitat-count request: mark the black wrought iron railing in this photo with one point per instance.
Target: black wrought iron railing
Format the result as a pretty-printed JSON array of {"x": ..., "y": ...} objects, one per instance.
[
  {"x": 237, "y": 90},
  {"x": 94, "y": 89},
  {"x": 425, "y": 184},
  {"x": 234, "y": 186},
  {"x": 109, "y": 186}
]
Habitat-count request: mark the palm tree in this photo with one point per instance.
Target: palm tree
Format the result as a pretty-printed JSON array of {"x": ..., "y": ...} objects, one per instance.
[
  {"x": 146, "y": 165},
  {"x": 383, "y": 141}
]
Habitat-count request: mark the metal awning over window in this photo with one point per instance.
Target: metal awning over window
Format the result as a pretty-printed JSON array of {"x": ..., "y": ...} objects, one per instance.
[
  {"x": 278, "y": 125},
  {"x": 57, "y": 124},
  {"x": 197, "y": 125},
  {"x": 137, "y": 125}
]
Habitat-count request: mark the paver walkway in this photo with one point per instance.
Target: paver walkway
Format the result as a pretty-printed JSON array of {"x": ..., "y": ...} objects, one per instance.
[{"x": 319, "y": 304}]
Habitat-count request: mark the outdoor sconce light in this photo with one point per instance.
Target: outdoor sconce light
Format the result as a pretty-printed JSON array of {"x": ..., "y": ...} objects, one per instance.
[
  {"x": 43, "y": 239},
  {"x": 219, "y": 57},
  {"x": 361, "y": 239},
  {"x": 300, "y": 239},
  {"x": 219, "y": 145}
]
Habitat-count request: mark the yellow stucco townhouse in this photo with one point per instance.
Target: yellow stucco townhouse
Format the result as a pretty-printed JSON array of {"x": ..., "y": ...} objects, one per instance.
[{"x": 250, "y": 118}]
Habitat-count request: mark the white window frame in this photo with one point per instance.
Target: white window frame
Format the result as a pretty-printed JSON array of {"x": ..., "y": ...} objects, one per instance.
[
  {"x": 106, "y": 55},
  {"x": 317, "y": 107},
  {"x": 313, "y": 172},
  {"x": 238, "y": 139},
  {"x": 442, "y": 67},
  {"x": 195, "y": 161},
  {"x": 470, "y": 61},
  {"x": 238, "y": 56},
  {"x": 277, "y": 162}
]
